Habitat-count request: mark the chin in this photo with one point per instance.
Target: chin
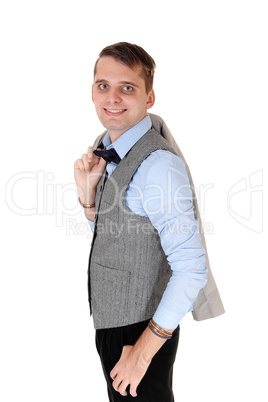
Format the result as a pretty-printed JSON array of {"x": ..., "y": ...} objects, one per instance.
[{"x": 113, "y": 125}]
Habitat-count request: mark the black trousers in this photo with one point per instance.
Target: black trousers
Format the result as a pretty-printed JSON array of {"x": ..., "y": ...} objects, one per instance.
[{"x": 156, "y": 385}]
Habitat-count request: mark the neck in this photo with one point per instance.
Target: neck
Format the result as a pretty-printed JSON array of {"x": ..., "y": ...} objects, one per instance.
[{"x": 114, "y": 135}]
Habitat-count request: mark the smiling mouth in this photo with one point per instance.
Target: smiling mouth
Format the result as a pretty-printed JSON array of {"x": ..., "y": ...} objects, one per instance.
[{"x": 115, "y": 111}]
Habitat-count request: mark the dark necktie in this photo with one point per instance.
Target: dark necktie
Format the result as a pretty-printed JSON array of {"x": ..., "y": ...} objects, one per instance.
[{"x": 110, "y": 155}]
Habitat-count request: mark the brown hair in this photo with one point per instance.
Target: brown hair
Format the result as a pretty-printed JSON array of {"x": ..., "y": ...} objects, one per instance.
[{"x": 133, "y": 56}]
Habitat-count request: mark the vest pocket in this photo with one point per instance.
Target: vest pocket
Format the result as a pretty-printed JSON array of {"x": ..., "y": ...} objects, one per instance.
[{"x": 109, "y": 294}]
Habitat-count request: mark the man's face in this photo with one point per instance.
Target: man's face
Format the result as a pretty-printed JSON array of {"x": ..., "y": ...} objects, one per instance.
[{"x": 119, "y": 95}]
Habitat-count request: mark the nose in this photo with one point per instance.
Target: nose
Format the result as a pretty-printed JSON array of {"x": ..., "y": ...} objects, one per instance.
[{"x": 114, "y": 96}]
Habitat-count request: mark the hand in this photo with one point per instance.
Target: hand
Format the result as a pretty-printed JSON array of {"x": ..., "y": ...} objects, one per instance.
[
  {"x": 87, "y": 173},
  {"x": 129, "y": 370}
]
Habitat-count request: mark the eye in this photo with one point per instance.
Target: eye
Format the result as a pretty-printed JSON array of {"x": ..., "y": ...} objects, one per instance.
[
  {"x": 128, "y": 88},
  {"x": 103, "y": 86}
]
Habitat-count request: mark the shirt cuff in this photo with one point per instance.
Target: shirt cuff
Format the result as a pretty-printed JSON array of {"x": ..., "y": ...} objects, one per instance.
[
  {"x": 166, "y": 318},
  {"x": 91, "y": 224}
]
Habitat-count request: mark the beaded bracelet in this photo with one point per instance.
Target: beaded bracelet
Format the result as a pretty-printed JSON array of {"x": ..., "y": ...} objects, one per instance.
[{"x": 159, "y": 331}]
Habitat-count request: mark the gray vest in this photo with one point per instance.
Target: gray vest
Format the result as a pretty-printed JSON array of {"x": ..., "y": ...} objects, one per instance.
[
  {"x": 126, "y": 246},
  {"x": 129, "y": 271}
]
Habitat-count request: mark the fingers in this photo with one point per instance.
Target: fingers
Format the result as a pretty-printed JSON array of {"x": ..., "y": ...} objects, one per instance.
[
  {"x": 133, "y": 389},
  {"x": 85, "y": 162},
  {"x": 94, "y": 159},
  {"x": 124, "y": 374},
  {"x": 79, "y": 165},
  {"x": 89, "y": 159},
  {"x": 122, "y": 388},
  {"x": 82, "y": 163},
  {"x": 90, "y": 154},
  {"x": 113, "y": 373},
  {"x": 120, "y": 385}
]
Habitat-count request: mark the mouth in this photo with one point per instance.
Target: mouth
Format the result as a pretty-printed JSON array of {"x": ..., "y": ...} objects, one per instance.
[{"x": 114, "y": 112}]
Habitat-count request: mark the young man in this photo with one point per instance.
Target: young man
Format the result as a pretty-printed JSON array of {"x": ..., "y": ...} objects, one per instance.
[{"x": 147, "y": 263}]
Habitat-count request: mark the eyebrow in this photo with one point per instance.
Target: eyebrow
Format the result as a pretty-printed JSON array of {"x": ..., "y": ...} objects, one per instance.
[
  {"x": 101, "y": 81},
  {"x": 129, "y": 83}
]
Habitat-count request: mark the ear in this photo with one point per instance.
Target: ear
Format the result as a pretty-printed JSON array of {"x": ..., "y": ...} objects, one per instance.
[{"x": 150, "y": 99}]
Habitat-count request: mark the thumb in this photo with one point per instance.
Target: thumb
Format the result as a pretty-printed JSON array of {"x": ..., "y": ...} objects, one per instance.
[{"x": 102, "y": 162}]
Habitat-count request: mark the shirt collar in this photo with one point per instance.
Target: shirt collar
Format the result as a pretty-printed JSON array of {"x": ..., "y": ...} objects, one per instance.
[{"x": 126, "y": 141}]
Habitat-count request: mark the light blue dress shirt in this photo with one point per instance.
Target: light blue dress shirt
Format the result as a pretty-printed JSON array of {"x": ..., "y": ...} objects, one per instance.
[{"x": 160, "y": 190}]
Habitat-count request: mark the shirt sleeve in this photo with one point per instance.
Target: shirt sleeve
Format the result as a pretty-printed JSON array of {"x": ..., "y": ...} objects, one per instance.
[
  {"x": 91, "y": 224},
  {"x": 167, "y": 201}
]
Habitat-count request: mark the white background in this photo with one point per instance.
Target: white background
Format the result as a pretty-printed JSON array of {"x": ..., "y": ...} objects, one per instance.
[{"x": 211, "y": 88}]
